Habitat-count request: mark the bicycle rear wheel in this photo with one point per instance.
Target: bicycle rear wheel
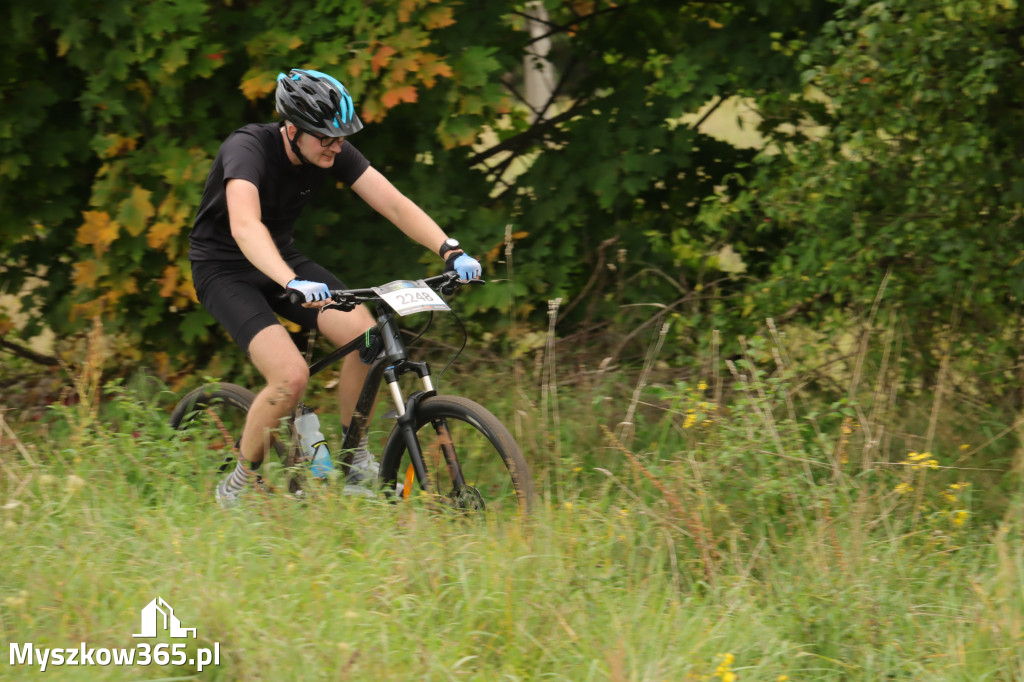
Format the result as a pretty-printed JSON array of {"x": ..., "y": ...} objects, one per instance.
[
  {"x": 212, "y": 418},
  {"x": 494, "y": 475}
]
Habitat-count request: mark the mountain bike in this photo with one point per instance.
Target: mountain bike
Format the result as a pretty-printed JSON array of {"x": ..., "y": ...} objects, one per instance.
[{"x": 447, "y": 449}]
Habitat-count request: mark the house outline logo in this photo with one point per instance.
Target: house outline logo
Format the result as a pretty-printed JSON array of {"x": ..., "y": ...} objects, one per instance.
[{"x": 150, "y": 620}]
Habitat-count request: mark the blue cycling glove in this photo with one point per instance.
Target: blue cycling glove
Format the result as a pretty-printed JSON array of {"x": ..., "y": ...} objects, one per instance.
[
  {"x": 467, "y": 267},
  {"x": 311, "y": 291}
]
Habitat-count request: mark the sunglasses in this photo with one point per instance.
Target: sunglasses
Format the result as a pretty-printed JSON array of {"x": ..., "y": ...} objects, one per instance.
[{"x": 326, "y": 141}]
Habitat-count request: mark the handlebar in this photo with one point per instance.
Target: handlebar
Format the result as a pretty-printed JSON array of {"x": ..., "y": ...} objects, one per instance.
[{"x": 347, "y": 299}]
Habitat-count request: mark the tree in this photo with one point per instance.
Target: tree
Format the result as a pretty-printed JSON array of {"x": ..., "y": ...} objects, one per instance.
[
  {"x": 918, "y": 179},
  {"x": 606, "y": 170},
  {"x": 110, "y": 119}
]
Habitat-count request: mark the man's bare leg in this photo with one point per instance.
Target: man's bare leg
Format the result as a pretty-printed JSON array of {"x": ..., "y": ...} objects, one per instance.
[
  {"x": 340, "y": 328},
  {"x": 279, "y": 361},
  {"x": 281, "y": 364}
]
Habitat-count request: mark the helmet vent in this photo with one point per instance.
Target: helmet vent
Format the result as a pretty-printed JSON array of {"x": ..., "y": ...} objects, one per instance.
[{"x": 316, "y": 102}]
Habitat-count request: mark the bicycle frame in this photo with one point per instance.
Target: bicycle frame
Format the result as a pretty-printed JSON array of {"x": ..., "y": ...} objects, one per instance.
[
  {"x": 390, "y": 367},
  {"x": 481, "y": 439}
]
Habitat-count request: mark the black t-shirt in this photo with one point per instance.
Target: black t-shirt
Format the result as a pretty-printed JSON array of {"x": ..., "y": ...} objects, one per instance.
[{"x": 256, "y": 153}]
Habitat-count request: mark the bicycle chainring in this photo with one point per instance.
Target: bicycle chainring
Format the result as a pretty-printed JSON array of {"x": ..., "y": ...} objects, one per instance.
[{"x": 467, "y": 499}]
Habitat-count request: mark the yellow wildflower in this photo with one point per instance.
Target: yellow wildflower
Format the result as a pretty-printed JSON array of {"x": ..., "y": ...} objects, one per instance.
[
  {"x": 904, "y": 488},
  {"x": 724, "y": 670},
  {"x": 702, "y": 386}
]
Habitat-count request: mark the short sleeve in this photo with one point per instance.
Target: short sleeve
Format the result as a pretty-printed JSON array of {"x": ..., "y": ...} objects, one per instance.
[
  {"x": 349, "y": 165},
  {"x": 243, "y": 157}
]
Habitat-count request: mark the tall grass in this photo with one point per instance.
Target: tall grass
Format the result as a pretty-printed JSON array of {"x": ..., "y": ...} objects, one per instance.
[{"x": 727, "y": 527}]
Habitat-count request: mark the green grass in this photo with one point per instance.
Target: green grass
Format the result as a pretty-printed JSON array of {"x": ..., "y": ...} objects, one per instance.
[{"x": 727, "y": 540}]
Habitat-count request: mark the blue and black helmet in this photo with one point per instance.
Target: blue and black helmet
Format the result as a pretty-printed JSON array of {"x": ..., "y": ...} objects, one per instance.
[{"x": 316, "y": 103}]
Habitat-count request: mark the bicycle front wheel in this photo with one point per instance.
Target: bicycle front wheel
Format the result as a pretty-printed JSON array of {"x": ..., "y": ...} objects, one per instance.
[{"x": 472, "y": 462}]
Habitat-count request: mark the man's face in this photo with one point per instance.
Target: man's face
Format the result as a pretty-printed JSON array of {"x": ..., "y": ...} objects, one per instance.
[{"x": 312, "y": 147}]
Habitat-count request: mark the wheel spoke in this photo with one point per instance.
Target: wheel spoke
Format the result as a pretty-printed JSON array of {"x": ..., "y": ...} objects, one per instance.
[{"x": 225, "y": 434}]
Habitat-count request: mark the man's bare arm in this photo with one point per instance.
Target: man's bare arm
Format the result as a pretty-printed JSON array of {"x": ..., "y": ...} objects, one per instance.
[
  {"x": 383, "y": 197},
  {"x": 252, "y": 236}
]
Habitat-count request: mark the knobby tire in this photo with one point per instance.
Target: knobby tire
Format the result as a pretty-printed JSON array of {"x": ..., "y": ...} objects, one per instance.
[{"x": 494, "y": 466}]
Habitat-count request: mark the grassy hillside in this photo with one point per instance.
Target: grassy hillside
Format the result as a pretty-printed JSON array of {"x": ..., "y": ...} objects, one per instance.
[{"x": 729, "y": 528}]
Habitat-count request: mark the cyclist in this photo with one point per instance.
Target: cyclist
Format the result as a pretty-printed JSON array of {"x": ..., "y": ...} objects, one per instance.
[{"x": 242, "y": 252}]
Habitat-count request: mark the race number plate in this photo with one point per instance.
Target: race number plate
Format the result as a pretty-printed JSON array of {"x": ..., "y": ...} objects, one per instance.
[{"x": 407, "y": 297}]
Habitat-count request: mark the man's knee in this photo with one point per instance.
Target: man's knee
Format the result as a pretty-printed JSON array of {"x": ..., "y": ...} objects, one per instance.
[
  {"x": 341, "y": 328},
  {"x": 286, "y": 388}
]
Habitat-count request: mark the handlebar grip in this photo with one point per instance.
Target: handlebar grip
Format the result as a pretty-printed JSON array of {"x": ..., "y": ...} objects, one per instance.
[{"x": 294, "y": 297}]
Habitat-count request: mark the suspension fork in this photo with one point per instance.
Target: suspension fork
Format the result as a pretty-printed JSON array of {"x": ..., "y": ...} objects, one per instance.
[
  {"x": 406, "y": 409},
  {"x": 407, "y": 422}
]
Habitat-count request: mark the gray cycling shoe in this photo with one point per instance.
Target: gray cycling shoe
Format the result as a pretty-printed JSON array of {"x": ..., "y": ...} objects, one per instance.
[
  {"x": 354, "y": 490},
  {"x": 225, "y": 498},
  {"x": 365, "y": 468},
  {"x": 362, "y": 477},
  {"x": 228, "y": 497}
]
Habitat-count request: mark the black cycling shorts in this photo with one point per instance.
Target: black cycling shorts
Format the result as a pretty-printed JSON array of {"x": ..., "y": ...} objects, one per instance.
[{"x": 244, "y": 300}]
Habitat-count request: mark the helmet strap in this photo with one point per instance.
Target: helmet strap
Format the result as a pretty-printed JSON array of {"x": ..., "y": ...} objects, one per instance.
[{"x": 295, "y": 146}]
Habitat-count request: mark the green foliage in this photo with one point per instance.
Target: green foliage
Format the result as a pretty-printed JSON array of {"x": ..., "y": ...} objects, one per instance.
[
  {"x": 612, "y": 177},
  {"x": 891, "y": 146},
  {"x": 723, "y": 502},
  {"x": 917, "y": 175},
  {"x": 105, "y": 156},
  {"x": 111, "y": 118}
]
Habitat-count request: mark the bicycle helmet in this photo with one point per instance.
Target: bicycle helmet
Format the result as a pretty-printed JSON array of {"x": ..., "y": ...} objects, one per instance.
[{"x": 316, "y": 103}]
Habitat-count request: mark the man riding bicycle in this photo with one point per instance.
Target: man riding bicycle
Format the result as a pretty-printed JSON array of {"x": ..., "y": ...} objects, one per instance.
[{"x": 243, "y": 254}]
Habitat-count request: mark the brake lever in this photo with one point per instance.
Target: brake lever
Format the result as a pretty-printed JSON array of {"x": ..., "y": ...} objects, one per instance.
[{"x": 345, "y": 305}]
